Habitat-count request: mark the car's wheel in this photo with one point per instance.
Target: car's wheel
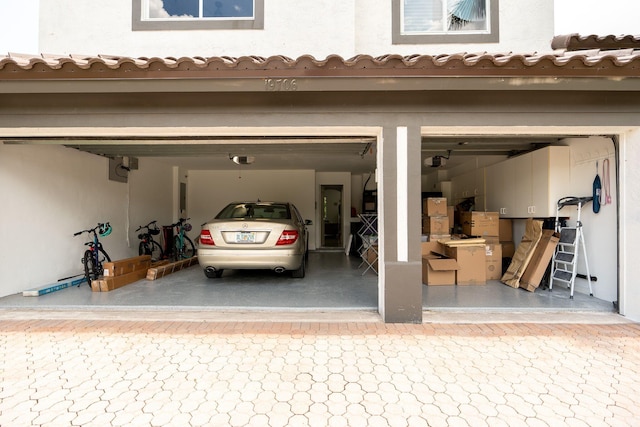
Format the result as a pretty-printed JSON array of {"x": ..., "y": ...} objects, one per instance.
[
  {"x": 299, "y": 273},
  {"x": 213, "y": 274}
]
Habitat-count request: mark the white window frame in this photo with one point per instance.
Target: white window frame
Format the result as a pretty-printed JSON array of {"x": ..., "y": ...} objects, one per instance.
[
  {"x": 489, "y": 35},
  {"x": 140, "y": 20}
]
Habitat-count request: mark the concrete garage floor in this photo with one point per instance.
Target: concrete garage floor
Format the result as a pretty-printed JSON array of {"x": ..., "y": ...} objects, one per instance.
[{"x": 333, "y": 282}]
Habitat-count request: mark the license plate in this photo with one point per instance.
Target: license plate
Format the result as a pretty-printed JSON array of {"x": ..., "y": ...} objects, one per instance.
[{"x": 245, "y": 237}]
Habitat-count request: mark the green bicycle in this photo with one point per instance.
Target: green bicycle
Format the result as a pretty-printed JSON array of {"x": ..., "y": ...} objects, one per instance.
[{"x": 183, "y": 246}]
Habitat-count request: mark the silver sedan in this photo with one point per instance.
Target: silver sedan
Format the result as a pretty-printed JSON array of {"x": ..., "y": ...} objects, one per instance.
[{"x": 255, "y": 235}]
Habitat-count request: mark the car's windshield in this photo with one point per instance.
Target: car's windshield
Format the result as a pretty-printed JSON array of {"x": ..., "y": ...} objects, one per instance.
[{"x": 255, "y": 211}]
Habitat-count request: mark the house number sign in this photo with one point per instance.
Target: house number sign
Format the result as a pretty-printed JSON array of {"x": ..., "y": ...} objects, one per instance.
[{"x": 280, "y": 85}]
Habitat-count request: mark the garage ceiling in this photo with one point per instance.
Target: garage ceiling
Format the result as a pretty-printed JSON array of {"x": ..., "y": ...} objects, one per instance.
[{"x": 356, "y": 154}]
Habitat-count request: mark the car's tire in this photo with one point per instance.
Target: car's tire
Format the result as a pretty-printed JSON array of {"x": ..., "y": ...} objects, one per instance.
[
  {"x": 299, "y": 273},
  {"x": 213, "y": 274}
]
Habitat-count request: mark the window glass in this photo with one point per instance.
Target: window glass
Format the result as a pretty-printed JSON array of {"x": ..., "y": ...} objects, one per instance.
[
  {"x": 422, "y": 16},
  {"x": 445, "y": 21},
  {"x": 164, "y": 9},
  {"x": 227, "y": 8},
  {"x": 161, "y": 15},
  {"x": 198, "y": 9},
  {"x": 443, "y": 16}
]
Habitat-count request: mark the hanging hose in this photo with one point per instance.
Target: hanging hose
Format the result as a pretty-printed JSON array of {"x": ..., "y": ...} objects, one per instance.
[{"x": 607, "y": 182}]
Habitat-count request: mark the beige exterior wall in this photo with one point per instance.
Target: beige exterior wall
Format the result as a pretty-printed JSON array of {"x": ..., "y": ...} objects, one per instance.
[{"x": 340, "y": 27}]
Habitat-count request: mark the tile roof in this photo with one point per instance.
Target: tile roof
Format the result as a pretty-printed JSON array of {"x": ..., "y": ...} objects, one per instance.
[{"x": 573, "y": 56}]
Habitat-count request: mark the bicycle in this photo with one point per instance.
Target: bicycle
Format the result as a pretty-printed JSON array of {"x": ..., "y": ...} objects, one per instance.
[
  {"x": 148, "y": 246},
  {"x": 183, "y": 246},
  {"x": 95, "y": 255}
]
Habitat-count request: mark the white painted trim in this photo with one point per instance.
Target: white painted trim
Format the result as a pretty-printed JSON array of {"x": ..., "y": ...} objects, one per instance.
[
  {"x": 623, "y": 259},
  {"x": 402, "y": 192},
  {"x": 261, "y": 131}
]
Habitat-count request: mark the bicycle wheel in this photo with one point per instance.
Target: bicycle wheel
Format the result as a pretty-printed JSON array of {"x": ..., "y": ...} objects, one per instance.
[
  {"x": 189, "y": 248},
  {"x": 144, "y": 249},
  {"x": 102, "y": 257},
  {"x": 90, "y": 267},
  {"x": 184, "y": 250},
  {"x": 155, "y": 251}
]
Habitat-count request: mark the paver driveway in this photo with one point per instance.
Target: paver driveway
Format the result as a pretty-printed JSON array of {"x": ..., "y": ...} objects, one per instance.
[{"x": 161, "y": 370}]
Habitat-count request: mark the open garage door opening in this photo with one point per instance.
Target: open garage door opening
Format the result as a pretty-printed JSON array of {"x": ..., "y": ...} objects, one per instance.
[
  {"x": 198, "y": 176},
  {"x": 504, "y": 193}
]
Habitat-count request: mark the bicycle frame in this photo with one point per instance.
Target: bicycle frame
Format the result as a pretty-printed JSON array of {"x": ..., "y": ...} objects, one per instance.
[
  {"x": 94, "y": 248},
  {"x": 147, "y": 242},
  {"x": 180, "y": 229},
  {"x": 180, "y": 236}
]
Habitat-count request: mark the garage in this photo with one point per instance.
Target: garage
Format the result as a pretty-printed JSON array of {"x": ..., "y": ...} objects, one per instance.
[{"x": 69, "y": 126}]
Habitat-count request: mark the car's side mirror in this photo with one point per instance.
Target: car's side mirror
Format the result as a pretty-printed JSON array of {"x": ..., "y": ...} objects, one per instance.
[{"x": 308, "y": 222}]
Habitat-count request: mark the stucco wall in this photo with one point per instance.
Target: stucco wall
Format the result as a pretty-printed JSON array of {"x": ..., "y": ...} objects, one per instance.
[
  {"x": 600, "y": 229},
  {"x": 210, "y": 191},
  {"x": 50, "y": 192},
  {"x": 343, "y": 27},
  {"x": 630, "y": 224}
]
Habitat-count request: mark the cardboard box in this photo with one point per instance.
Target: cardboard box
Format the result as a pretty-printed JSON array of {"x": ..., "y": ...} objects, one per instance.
[
  {"x": 471, "y": 260},
  {"x": 450, "y": 214},
  {"x": 125, "y": 266},
  {"x": 435, "y": 224},
  {"x": 523, "y": 254},
  {"x": 506, "y": 230},
  {"x": 161, "y": 269},
  {"x": 107, "y": 284},
  {"x": 539, "y": 261},
  {"x": 494, "y": 261},
  {"x": 438, "y": 271},
  {"x": 480, "y": 224},
  {"x": 434, "y": 206},
  {"x": 431, "y": 246}
]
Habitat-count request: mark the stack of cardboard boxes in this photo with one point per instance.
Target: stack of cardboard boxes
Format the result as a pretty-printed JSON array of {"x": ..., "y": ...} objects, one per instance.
[
  {"x": 437, "y": 220},
  {"x": 471, "y": 259},
  {"x": 436, "y": 223},
  {"x": 486, "y": 225}
]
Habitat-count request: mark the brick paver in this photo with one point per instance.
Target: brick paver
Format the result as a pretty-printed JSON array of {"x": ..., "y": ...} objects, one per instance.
[{"x": 61, "y": 372}]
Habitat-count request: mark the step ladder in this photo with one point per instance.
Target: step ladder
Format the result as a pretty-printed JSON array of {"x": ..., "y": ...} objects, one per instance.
[{"x": 565, "y": 257}]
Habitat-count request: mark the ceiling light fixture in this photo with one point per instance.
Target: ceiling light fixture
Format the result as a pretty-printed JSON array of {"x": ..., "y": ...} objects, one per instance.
[{"x": 242, "y": 160}]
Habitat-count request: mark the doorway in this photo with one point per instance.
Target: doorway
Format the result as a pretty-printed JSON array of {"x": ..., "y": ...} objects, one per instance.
[{"x": 331, "y": 196}]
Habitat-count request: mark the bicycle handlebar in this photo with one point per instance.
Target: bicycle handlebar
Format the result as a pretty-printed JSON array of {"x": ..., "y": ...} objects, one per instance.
[
  {"x": 180, "y": 222},
  {"x": 91, "y": 230},
  {"x": 146, "y": 226}
]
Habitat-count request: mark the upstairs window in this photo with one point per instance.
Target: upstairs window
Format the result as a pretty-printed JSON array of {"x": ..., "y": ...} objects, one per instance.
[
  {"x": 197, "y": 14},
  {"x": 445, "y": 21}
]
